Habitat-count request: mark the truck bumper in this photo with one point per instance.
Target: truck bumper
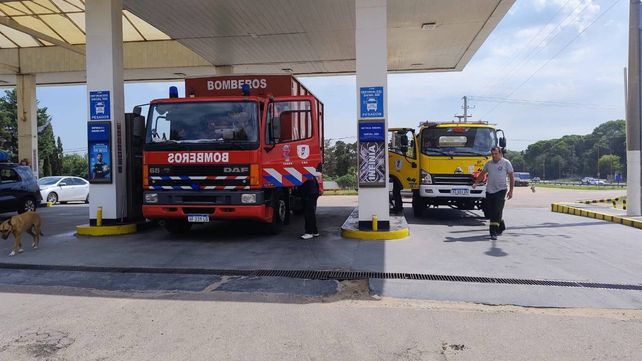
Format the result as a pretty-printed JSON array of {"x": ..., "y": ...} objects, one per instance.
[
  {"x": 217, "y": 204},
  {"x": 458, "y": 192}
]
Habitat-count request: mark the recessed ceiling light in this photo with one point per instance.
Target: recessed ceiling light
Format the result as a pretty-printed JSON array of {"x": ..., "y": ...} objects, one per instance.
[
  {"x": 180, "y": 74},
  {"x": 289, "y": 70},
  {"x": 428, "y": 26},
  {"x": 416, "y": 64},
  {"x": 253, "y": 35}
]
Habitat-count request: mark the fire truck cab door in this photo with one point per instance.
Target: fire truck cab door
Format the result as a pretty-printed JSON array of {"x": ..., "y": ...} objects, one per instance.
[
  {"x": 291, "y": 146},
  {"x": 402, "y": 157}
]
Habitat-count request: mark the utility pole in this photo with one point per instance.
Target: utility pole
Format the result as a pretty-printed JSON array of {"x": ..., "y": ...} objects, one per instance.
[
  {"x": 633, "y": 119},
  {"x": 465, "y": 107}
]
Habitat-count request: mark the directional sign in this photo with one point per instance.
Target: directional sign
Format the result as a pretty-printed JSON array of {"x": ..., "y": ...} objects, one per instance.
[
  {"x": 371, "y": 100},
  {"x": 99, "y": 105}
]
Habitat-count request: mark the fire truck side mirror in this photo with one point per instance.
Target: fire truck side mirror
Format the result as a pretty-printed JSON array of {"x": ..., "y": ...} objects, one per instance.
[
  {"x": 137, "y": 110},
  {"x": 502, "y": 142}
]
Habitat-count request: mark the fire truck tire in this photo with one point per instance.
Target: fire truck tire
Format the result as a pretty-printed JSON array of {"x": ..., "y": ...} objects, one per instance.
[
  {"x": 280, "y": 217},
  {"x": 177, "y": 226}
]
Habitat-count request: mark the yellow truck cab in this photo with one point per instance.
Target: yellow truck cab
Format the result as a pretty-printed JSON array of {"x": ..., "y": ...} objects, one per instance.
[{"x": 440, "y": 161}]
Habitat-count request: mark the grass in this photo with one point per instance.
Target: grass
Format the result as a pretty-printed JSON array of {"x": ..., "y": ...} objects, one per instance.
[
  {"x": 577, "y": 186},
  {"x": 340, "y": 192}
]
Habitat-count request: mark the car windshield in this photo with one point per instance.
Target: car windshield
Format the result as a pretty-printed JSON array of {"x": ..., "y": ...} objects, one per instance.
[
  {"x": 458, "y": 141},
  {"x": 230, "y": 123},
  {"x": 48, "y": 180},
  {"x": 523, "y": 175}
]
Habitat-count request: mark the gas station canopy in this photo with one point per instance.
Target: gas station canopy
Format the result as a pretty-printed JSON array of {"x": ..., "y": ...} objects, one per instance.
[{"x": 168, "y": 39}]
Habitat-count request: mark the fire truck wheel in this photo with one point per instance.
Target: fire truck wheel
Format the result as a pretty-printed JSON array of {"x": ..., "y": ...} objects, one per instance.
[
  {"x": 279, "y": 217},
  {"x": 177, "y": 226}
]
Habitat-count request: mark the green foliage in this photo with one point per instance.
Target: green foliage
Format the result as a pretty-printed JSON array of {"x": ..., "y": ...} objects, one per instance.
[
  {"x": 8, "y": 125},
  {"x": 75, "y": 165},
  {"x": 610, "y": 164},
  {"x": 48, "y": 152},
  {"x": 348, "y": 180},
  {"x": 339, "y": 158},
  {"x": 576, "y": 155}
]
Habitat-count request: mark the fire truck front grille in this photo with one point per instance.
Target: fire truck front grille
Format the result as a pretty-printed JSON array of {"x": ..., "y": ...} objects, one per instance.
[{"x": 456, "y": 179}]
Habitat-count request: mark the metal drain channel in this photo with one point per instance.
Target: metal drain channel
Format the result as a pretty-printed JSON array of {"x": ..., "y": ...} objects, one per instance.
[{"x": 328, "y": 275}]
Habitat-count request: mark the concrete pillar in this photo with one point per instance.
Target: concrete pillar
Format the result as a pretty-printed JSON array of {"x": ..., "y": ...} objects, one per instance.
[
  {"x": 633, "y": 118},
  {"x": 27, "y": 120},
  {"x": 103, "y": 19},
  {"x": 372, "y": 71}
]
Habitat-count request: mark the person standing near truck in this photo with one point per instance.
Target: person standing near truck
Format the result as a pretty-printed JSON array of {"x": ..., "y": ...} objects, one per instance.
[
  {"x": 498, "y": 169},
  {"x": 309, "y": 195}
]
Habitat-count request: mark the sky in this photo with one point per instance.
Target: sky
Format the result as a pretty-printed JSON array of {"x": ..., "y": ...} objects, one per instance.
[{"x": 550, "y": 68}]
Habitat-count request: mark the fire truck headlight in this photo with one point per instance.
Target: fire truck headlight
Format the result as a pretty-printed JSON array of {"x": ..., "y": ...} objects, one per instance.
[
  {"x": 248, "y": 198},
  {"x": 151, "y": 197}
]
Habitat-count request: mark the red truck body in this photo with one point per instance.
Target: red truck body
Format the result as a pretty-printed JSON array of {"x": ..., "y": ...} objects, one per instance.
[{"x": 220, "y": 154}]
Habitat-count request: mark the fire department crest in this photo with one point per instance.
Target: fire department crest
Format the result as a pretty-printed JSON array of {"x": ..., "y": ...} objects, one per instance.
[{"x": 303, "y": 151}]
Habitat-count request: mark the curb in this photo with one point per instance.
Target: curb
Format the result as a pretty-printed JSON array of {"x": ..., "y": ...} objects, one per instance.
[
  {"x": 398, "y": 228},
  {"x": 376, "y": 235},
  {"x": 565, "y": 208},
  {"x": 87, "y": 230}
]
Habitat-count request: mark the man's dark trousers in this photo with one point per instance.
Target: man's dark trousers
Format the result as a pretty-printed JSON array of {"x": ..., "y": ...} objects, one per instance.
[
  {"x": 309, "y": 213},
  {"x": 495, "y": 203}
]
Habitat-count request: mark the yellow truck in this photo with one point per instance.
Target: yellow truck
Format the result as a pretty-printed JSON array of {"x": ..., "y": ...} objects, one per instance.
[{"x": 440, "y": 161}]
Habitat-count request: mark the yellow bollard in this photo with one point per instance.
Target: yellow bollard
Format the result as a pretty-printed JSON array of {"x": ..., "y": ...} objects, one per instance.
[
  {"x": 99, "y": 216},
  {"x": 375, "y": 224}
]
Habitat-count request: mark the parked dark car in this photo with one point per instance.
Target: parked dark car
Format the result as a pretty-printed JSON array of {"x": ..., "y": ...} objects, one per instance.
[{"x": 19, "y": 189}]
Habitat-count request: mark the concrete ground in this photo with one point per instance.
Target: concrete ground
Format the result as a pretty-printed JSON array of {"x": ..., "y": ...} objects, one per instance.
[
  {"x": 60, "y": 315},
  {"x": 538, "y": 244},
  {"x": 62, "y": 324}
]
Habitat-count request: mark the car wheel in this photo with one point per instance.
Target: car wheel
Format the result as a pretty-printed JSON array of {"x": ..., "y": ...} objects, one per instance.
[
  {"x": 52, "y": 197},
  {"x": 28, "y": 205}
]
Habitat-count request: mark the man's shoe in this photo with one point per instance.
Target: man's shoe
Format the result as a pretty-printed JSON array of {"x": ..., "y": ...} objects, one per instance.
[
  {"x": 493, "y": 237},
  {"x": 316, "y": 235},
  {"x": 500, "y": 233},
  {"x": 307, "y": 236}
]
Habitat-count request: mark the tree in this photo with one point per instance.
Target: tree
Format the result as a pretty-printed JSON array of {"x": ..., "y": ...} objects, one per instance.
[
  {"x": 8, "y": 125},
  {"x": 47, "y": 151},
  {"x": 610, "y": 164},
  {"x": 75, "y": 165}
]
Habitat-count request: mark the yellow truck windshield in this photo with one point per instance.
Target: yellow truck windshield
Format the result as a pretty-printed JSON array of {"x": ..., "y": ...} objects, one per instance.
[{"x": 457, "y": 141}]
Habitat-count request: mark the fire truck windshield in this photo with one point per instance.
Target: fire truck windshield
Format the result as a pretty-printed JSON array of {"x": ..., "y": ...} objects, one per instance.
[
  {"x": 458, "y": 141},
  {"x": 231, "y": 124}
]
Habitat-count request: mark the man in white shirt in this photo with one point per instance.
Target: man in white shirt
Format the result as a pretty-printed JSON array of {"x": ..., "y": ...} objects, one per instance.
[{"x": 497, "y": 169}]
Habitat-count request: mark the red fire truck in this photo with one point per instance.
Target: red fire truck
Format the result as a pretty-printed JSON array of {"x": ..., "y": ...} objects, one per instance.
[{"x": 236, "y": 147}]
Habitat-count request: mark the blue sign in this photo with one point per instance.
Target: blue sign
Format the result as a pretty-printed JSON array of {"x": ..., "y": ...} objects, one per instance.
[
  {"x": 99, "y": 105},
  {"x": 371, "y": 100},
  {"x": 372, "y": 131},
  {"x": 99, "y": 144}
]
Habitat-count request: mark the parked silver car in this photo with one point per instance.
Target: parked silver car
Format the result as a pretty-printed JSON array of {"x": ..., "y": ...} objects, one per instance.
[{"x": 63, "y": 189}]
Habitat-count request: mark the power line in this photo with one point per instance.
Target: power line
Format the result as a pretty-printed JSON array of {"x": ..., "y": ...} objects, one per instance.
[
  {"x": 555, "y": 56},
  {"x": 537, "y": 49},
  {"x": 543, "y": 102}
]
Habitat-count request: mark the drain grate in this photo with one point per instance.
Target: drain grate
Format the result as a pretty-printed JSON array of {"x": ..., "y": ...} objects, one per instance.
[{"x": 330, "y": 275}]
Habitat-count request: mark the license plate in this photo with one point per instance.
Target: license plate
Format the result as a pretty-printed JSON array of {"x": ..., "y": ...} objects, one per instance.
[
  {"x": 198, "y": 218},
  {"x": 459, "y": 191}
]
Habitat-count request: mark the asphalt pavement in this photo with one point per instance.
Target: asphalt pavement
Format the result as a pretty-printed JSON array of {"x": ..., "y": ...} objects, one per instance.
[{"x": 538, "y": 245}]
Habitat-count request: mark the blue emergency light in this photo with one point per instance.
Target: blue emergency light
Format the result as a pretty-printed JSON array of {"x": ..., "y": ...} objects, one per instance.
[
  {"x": 245, "y": 89},
  {"x": 173, "y": 92}
]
